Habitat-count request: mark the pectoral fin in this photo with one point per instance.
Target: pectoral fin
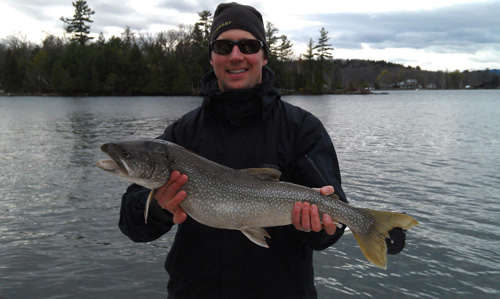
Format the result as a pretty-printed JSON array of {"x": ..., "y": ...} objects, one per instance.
[
  {"x": 256, "y": 235},
  {"x": 148, "y": 203}
]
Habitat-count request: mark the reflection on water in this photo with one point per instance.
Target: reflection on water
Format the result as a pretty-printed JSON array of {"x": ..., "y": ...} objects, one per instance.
[{"x": 432, "y": 154}]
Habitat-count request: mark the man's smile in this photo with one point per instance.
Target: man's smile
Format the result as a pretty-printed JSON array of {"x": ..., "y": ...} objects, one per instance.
[{"x": 240, "y": 71}]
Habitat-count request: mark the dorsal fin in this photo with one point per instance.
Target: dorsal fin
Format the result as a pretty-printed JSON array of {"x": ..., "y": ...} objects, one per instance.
[{"x": 264, "y": 174}]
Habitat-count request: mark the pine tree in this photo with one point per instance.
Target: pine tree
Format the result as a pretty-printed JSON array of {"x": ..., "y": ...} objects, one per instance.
[
  {"x": 272, "y": 40},
  {"x": 285, "y": 67},
  {"x": 77, "y": 24},
  {"x": 204, "y": 25},
  {"x": 285, "y": 51},
  {"x": 323, "y": 49},
  {"x": 128, "y": 38},
  {"x": 309, "y": 66}
]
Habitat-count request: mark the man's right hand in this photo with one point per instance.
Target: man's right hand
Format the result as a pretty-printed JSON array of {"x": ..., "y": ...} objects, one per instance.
[{"x": 169, "y": 196}]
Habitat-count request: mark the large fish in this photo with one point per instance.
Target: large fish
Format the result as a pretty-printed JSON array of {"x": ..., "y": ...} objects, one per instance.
[{"x": 246, "y": 200}]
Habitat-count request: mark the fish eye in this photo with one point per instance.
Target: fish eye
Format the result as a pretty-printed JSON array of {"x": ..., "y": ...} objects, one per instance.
[{"x": 125, "y": 154}]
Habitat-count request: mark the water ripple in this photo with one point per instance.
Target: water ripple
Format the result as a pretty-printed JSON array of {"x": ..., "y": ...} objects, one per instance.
[{"x": 433, "y": 155}]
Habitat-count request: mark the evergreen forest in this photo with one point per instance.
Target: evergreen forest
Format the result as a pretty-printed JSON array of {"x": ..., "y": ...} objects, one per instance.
[{"x": 172, "y": 63}]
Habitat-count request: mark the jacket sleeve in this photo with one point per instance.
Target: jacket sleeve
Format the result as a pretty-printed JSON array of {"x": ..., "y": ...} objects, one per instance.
[
  {"x": 317, "y": 166},
  {"x": 132, "y": 222}
]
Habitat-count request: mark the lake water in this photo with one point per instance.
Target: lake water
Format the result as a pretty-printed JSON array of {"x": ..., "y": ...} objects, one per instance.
[{"x": 432, "y": 154}]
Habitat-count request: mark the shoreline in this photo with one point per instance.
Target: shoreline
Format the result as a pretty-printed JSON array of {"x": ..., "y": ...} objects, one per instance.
[{"x": 283, "y": 93}]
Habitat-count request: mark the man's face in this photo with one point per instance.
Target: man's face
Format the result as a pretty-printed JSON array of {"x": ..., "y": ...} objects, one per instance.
[{"x": 237, "y": 70}]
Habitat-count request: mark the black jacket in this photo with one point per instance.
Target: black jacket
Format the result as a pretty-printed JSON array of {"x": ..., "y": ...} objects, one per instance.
[{"x": 242, "y": 130}]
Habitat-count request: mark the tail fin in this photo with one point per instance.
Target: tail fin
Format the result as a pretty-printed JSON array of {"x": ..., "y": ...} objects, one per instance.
[{"x": 373, "y": 243}]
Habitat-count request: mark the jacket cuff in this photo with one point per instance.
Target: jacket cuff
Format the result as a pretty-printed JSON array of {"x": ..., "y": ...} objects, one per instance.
[
  {"x": 157, "y": 214},
  {"x": 319, "y": 240}
]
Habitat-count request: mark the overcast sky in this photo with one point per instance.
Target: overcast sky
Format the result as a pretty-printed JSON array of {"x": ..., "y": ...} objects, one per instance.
[{"x": 432, "y": 34}]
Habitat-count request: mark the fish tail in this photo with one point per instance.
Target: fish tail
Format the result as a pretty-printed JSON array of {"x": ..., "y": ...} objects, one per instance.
[{"x": 373, "y": 243}]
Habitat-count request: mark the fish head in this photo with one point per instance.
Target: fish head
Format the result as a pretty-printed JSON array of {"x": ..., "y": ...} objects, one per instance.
[{"x": 143, "y": 162}]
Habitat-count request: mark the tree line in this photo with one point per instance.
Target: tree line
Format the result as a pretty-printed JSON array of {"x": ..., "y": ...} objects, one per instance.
[{"x": 172, "y": 63}]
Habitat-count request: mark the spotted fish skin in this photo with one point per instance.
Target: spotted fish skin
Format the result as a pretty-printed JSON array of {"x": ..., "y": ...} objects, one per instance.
[{"x": 247, "y": 200}]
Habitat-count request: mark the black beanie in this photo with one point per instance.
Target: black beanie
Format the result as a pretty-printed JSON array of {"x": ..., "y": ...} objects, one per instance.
[{"x": 236, "y": 16}]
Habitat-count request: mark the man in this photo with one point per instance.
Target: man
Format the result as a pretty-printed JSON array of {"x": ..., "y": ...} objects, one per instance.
[{"x": 242, "y": 123}]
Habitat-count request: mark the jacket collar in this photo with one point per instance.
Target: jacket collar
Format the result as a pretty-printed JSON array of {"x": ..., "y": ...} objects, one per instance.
[{"x": 265, "y": 93}]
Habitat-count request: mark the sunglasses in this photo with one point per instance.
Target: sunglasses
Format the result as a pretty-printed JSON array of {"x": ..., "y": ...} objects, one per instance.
[{"x": 246, "y": 46}]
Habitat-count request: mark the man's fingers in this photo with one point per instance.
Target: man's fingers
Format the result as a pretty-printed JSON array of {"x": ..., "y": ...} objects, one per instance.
[
  {"x": 306, "y": 221},
  {"x": 327, "y": 190},
  {"x": 305, "y": 217},
  {"x": 172, "y": 204},
  {"x": 315, "y": 220},
  {"x": 175, "y": 184},
  {"x": 174, "y": 176},
  {"x": 296, "y": 215},
  {"x": 177, "y": 180},
  {"x": 172, "y": 187},
  {"x": 179, "y": 216},
  {"x": 161, "y": 192},
  {"x": 328, "y": 224}
]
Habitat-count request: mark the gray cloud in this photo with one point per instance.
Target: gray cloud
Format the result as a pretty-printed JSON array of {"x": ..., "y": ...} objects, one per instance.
[
  {"x": 113, "y": 13},
  {"x": 190, "y": 6},
  {"x": 462, "y": 28},
  {"x": 117, "y": 15},
  {"x": 39, "y": 11}
]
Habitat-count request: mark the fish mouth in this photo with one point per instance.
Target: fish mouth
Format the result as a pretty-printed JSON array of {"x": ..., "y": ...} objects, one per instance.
[
  {"x": 110, "y": 165},
  {"x": 114, "y": 165}
]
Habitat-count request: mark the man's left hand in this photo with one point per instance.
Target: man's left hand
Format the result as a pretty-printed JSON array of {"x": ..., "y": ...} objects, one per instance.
[{"x": 305, "y": 217}]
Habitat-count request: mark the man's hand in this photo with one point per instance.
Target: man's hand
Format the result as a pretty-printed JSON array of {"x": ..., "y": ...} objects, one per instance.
[
  {"x": 305, "y": 217},
  {"x": 169, "y": 197}
]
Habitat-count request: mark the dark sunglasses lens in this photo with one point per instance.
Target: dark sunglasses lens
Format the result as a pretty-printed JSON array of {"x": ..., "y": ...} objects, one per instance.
[
  {"x": 222, "y": 47},
  {"x": 249, "y": 46}
]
